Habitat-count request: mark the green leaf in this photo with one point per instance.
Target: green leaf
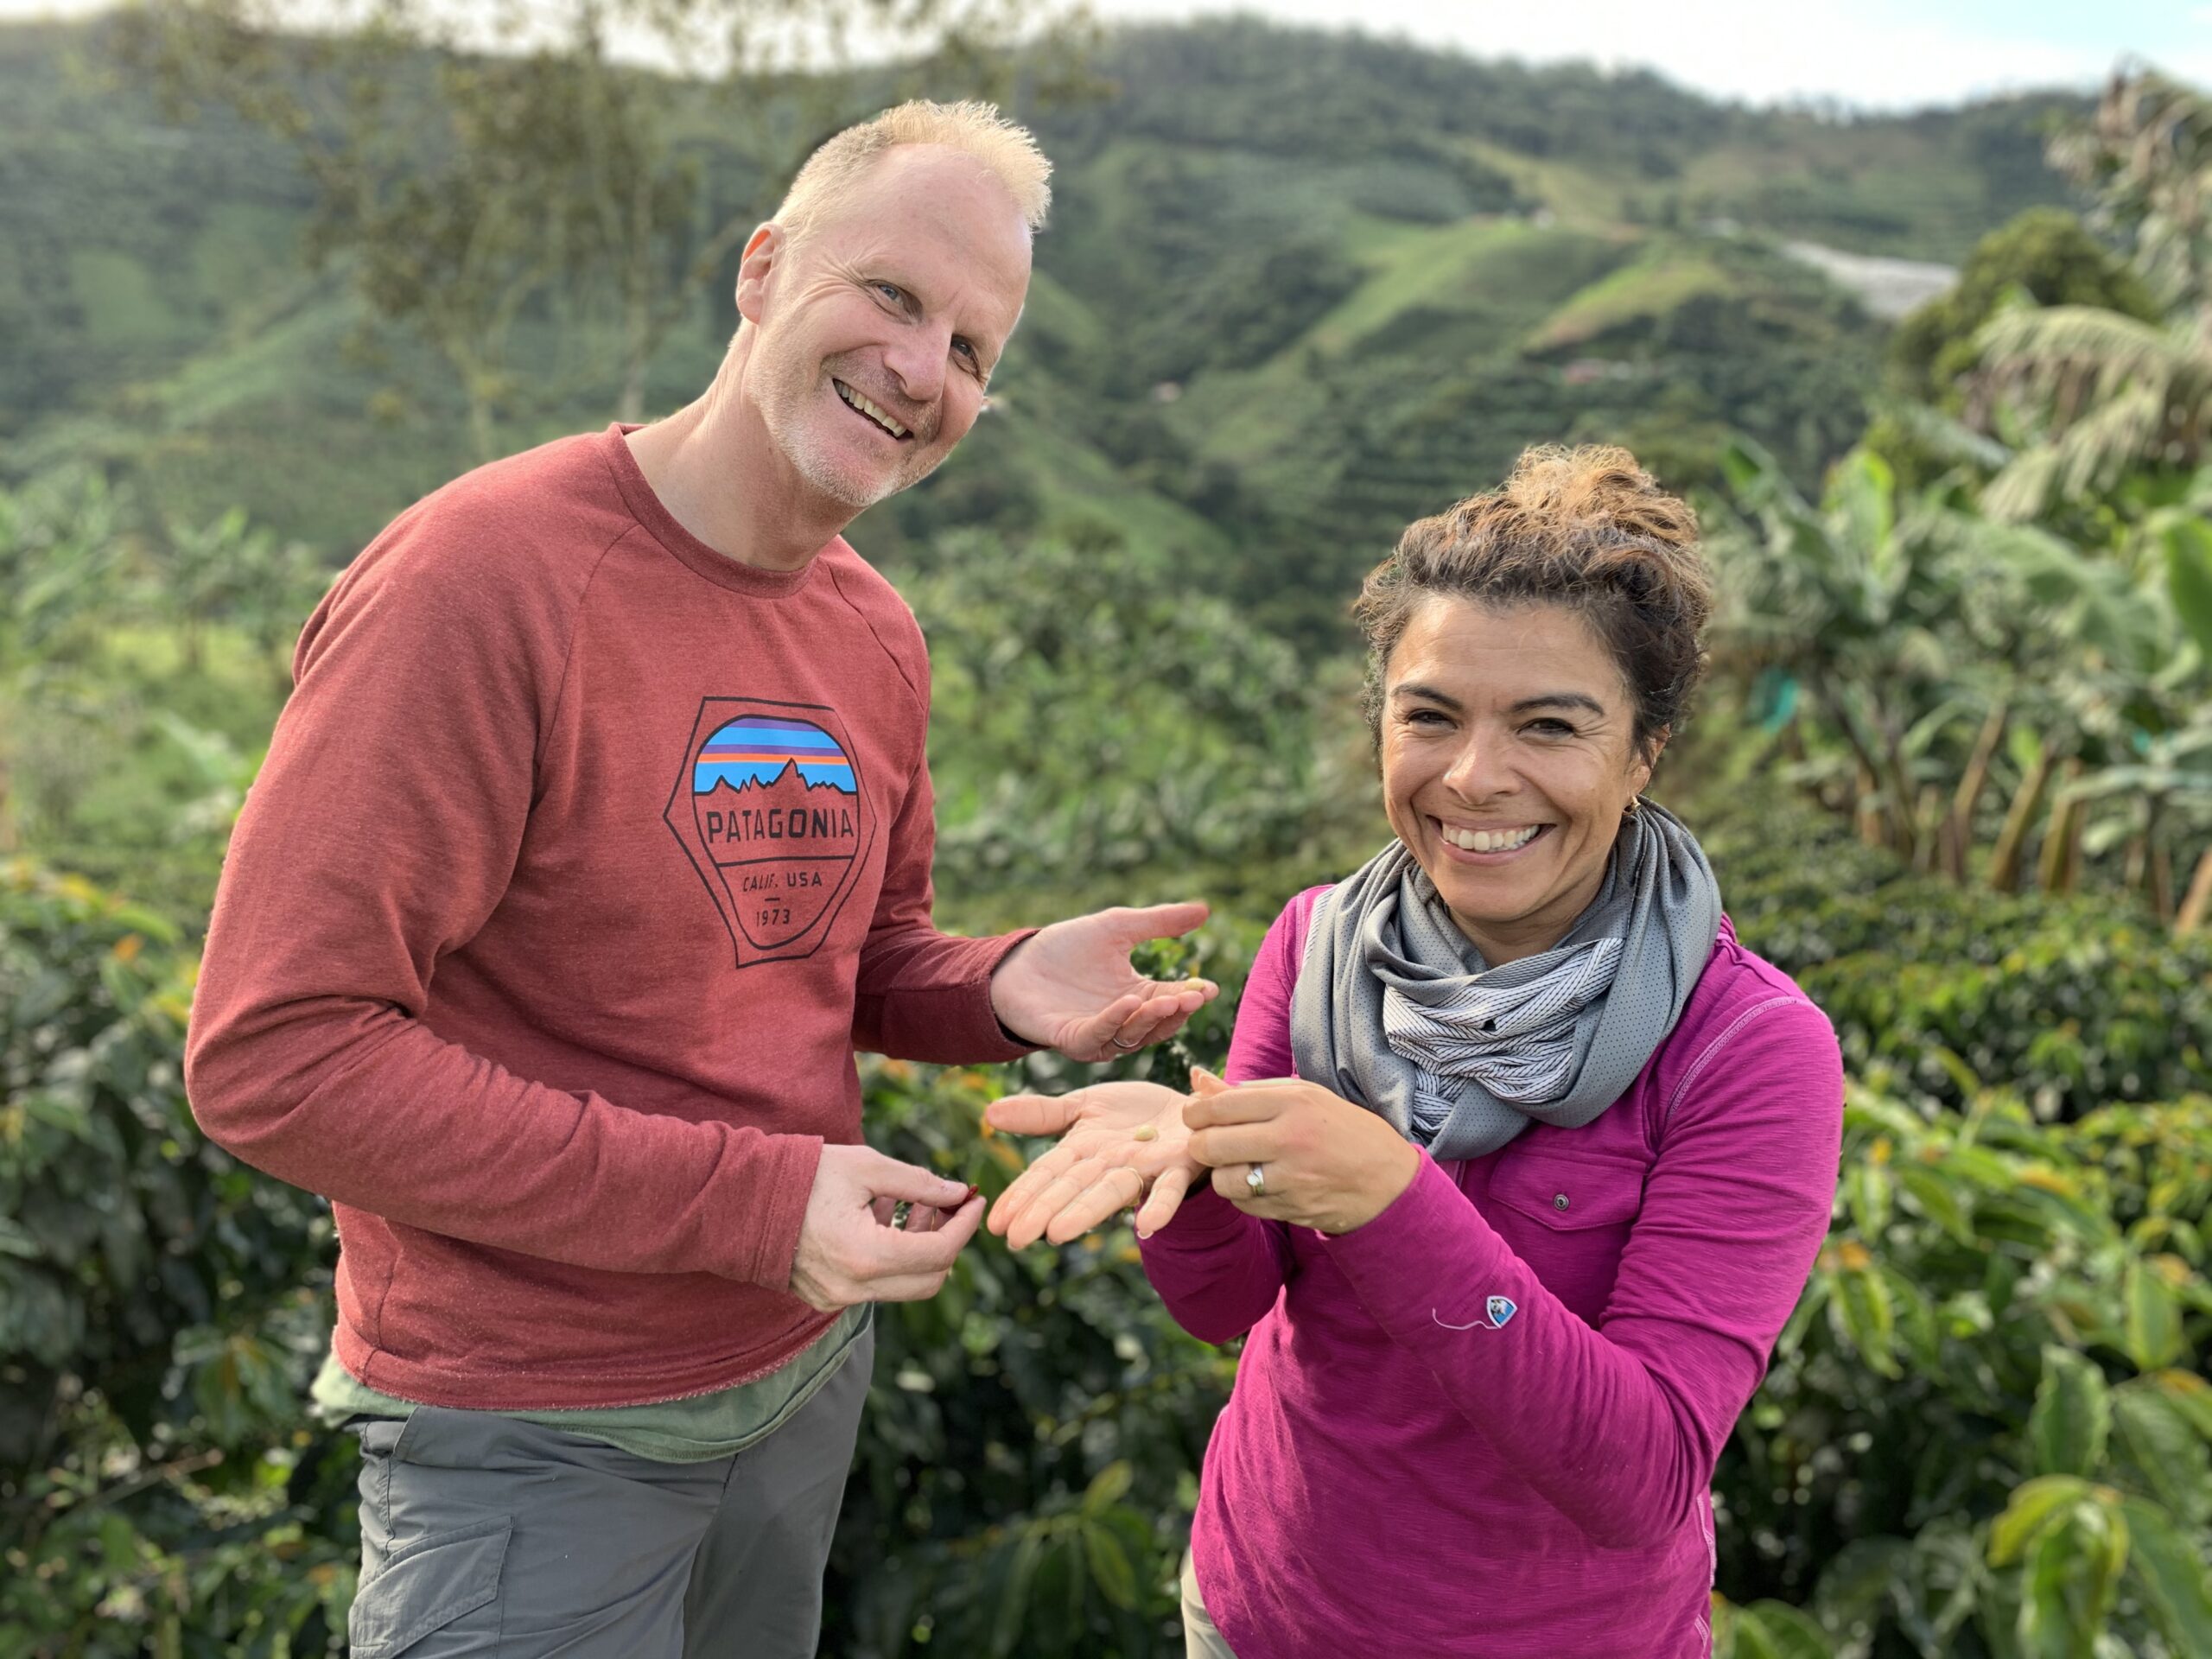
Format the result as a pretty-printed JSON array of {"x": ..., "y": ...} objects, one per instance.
[
  {"x": 2072, "y": 1416},
  {"x": 1773, "y": 1629},
  {"x": 1109, "y": 1565},
  {"x": 2163, "y": 1449},
  {"x": 2073, "y": 1577},
  {"x": 2036, "y": 1505},
  {"x": 2153, "y": 1331},
  {"x": 1013, "y": 1599},
  {"x": 1110, "y": 1485},
  {"x": 2190, "y": 1394},
  {"x": 1856, "y": 1585},
  {"x": 1867, "y": 1190},
  {"x": 2167, "y": 1569},
  {"x": 1866, "y": 1319},
  {"x": 1949, "y": 1209},
  {"x": 2189, "y": 577}
]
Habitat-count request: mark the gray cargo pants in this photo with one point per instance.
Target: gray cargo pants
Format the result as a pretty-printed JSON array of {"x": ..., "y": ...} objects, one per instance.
[{"x": 483, "y": 1536}]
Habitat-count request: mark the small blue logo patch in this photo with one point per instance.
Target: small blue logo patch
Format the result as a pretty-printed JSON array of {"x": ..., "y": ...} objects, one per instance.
[{"x": 1500, "y": 1309}]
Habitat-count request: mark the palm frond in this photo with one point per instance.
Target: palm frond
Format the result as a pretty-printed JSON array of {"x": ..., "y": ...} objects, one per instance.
[{"x": 2037, "y": 344}]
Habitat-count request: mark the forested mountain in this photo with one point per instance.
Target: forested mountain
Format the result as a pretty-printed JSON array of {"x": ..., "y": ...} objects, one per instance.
[{"x": 1299, "y": 288}]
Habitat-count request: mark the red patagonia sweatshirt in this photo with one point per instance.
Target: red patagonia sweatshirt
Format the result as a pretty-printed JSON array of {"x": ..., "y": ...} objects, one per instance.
[{"x": 582, "y": 860}]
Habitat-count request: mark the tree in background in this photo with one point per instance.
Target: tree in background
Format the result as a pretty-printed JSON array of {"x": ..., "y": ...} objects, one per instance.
[
  {"x": 2112, "y": 396},
  {"x": 471, "y": 175},
  {"x": 2045, "y": 254}
]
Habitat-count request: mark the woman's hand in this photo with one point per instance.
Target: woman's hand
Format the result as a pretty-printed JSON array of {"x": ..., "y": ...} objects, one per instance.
[
  {"x": 1119, "y": 1142},
  {"x": 1327, "y": 1163}
]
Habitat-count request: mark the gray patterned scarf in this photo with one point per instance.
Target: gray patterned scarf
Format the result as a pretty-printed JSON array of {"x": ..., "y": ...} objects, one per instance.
[{"x": 1397, "y": 1011}]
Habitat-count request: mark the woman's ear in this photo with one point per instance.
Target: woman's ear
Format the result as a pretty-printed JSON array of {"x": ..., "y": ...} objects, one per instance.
[{"x": 1649, "y": 760}]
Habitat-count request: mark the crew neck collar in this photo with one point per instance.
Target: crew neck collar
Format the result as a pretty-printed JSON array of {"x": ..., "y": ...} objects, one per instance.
[{"x": 717, "y": 567}]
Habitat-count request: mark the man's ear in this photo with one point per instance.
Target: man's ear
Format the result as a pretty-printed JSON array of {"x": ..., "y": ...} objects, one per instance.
[{"x": 764, "y": 251}]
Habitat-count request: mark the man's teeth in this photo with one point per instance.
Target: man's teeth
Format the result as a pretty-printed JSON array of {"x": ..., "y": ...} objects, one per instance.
[
  {"x": 869, "y": 410},
  {"x": 1482, "y": 841}
]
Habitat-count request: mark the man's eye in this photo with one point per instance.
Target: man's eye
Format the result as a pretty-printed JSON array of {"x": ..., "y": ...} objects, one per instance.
[{"x": 891, "y": 292}]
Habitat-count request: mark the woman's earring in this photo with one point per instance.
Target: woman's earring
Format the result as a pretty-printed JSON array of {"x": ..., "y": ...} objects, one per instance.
[{"x": 1635, "y": 803}]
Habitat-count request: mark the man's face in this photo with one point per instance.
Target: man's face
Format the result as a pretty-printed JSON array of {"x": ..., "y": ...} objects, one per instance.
[{"x": 879, "y": 327}]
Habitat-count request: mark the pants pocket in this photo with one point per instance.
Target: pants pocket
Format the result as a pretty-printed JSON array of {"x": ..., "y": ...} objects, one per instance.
[{"x": 426, "y": 1584}]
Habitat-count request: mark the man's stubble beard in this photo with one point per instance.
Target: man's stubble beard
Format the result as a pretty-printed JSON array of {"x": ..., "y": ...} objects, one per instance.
[{"x": 806, "y": 445}]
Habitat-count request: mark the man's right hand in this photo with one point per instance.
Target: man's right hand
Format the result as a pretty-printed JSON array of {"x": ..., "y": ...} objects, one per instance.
[{"x": 848, "y": 1251}]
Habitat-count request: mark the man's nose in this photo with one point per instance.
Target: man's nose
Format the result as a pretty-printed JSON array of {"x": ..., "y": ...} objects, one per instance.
[{"x": 916, "y": 360}]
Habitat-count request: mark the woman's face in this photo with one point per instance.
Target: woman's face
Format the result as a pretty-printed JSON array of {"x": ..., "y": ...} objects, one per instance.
[{"x": 1506, "y": 764}]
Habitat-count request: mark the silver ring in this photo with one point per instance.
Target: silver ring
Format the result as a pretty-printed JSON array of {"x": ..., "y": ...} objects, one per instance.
[
  {"x": 1256, "y": 1181},
  {"x": 1126, "y": 1048}
]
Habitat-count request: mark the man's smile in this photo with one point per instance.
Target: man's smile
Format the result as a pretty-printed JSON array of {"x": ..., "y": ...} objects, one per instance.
[{"x": 859, "y": 403}]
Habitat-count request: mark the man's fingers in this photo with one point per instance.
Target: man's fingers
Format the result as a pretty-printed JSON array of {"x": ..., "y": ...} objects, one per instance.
[
  {"x": 907, "y": 1287},
  {"x": 888, "y": 1254},
  {"x": 1140, "y": 922},
  {"x": 1035, "y": 1114},
  {"x": 887, "y": 1177},
  {"x": 1166, "y": 1198}
]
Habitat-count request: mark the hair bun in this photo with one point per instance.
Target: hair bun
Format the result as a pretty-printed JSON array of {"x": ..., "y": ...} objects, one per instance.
[{"x": 1598, "y": 486}]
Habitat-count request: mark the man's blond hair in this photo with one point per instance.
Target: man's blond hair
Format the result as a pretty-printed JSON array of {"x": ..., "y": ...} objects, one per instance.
[{"x": 971, "y": 127}]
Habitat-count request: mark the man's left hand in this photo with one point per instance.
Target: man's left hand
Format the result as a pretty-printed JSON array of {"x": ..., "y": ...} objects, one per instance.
[
  {"x": 1324, "y": 1162},
  {"x": 1070, "y": 986}
]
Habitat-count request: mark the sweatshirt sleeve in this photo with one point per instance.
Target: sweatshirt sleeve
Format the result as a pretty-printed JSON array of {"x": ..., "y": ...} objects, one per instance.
[
  {"x": 380, "y": 837},
  {"x": 1620, "y": 1428},
  {"x": 922, "y": 994},
  {"x": 1219, "y": 1270}
]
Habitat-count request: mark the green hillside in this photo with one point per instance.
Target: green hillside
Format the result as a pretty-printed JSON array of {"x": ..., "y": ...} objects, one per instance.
[{"x": 1299, "y": 288}]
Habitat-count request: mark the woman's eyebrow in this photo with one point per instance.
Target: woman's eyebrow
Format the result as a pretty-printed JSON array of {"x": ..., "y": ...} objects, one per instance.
[
  {"x": 1577, "y": 700},
  {"x": 1558, "y": 699},
  {"x": 1427, "y": 693}
]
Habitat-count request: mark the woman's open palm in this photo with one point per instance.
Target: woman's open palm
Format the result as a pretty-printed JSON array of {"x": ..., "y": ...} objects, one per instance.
[{"x": 1121, "y": 1144}]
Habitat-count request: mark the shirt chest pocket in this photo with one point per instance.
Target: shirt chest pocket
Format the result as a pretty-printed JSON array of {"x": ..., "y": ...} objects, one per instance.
[
  {"x": 1569, "y": 1194},
  {"x": 1568, "y": 1219}
]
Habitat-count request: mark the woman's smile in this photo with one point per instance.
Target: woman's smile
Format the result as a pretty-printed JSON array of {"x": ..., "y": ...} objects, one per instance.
[{"x": 1487, "y": 843}]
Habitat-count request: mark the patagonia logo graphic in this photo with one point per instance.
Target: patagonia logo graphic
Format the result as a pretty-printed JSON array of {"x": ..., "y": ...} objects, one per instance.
[
  {"x": 770, "y": 808},
  {"x": 1498, "y": 1310}
]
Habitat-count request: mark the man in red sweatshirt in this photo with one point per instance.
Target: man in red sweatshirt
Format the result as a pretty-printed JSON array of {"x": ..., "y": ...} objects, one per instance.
[{"x": 594, "y": 840}]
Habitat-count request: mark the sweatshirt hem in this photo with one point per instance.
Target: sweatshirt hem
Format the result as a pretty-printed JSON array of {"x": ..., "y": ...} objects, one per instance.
[{"x": 431, "y": 1385}]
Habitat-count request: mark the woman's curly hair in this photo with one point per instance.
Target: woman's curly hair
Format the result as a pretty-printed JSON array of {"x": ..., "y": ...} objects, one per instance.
[{"x": 1583, "y": 527}]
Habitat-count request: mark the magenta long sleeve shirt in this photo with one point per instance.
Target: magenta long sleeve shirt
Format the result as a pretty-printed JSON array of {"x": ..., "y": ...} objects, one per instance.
[{"x": 1485, "y": 1423}]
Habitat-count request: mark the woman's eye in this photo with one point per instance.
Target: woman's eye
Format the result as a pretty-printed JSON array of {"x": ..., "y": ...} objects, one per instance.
[
  {"x": 965, "y": 349},
  {"x": 1551, "y": 728}
]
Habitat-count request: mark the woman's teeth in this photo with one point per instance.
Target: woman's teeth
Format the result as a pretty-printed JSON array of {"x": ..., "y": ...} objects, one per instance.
[{"x": 1485, "y": 840}]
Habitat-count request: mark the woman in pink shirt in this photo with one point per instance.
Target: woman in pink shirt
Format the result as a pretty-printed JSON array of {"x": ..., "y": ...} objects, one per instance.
[{"x": 1523, "y": 1159}]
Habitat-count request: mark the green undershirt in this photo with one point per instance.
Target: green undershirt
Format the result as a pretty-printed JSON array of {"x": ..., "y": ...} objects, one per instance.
[{"x": 695, "y": 1430}]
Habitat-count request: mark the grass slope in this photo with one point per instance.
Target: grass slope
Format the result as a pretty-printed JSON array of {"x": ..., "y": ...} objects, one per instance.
[{"x": 1299, "y": 288}]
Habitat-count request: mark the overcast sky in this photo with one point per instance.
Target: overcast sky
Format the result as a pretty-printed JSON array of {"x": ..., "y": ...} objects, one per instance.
[{"x": 1883, "y": 54}]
